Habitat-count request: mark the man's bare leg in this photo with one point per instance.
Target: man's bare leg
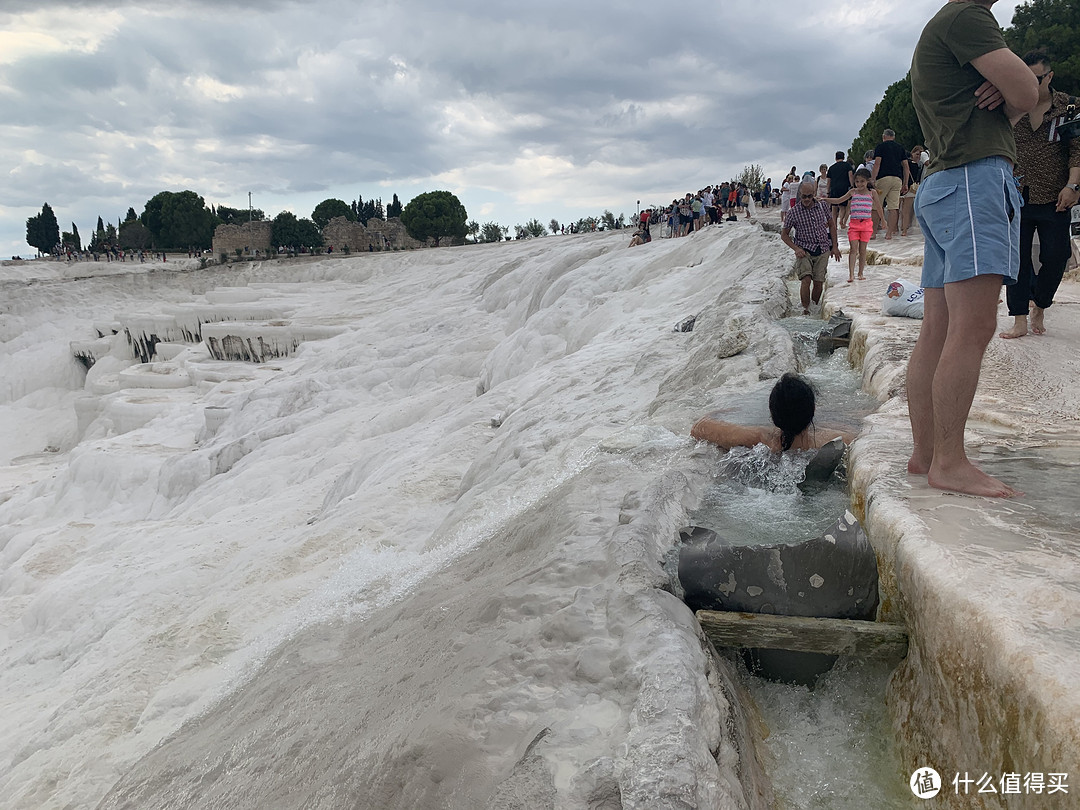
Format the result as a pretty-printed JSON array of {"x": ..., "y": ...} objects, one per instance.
[
  {"x": 891, "y": 216},
  {"x": 1019, "y": 328},
  {"x": 972, "y": 321},
  {"x": 1037, "y": 325},
  {"x": 922, "y": 366},
  {"x": 804, "y": 295}
]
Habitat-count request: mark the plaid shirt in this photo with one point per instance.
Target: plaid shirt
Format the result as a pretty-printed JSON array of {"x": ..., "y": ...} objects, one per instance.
[
  {"x": 1042, "y": 158},
  {"x": 811, "y": 226}
]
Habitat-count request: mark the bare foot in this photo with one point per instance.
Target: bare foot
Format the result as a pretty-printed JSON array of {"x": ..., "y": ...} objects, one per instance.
[
  {"x": 903, "y": 233},
  {"x": 850, "y": 280},
  {"x": 1019, "y": 328},
  {"x": 968, "y": 479},
  {"x": 1037, "y": 326},
  {"x": 862, "y": 277},
  {"x": 919, "y": 464}
]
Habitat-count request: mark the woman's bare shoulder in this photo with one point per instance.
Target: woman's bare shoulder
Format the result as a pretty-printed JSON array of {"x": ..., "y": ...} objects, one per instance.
[{"x": 825, "y": 434}]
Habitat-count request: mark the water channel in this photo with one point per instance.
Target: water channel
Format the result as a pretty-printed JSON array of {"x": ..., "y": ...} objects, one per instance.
[{"x": 830, "y": 747}]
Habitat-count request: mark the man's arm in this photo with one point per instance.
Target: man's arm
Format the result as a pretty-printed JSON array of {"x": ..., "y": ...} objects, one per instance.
[
  {"x": 728, "y": 434},
  {"x": 785, "y": 236},
  {"x": 1008, "y": 79},
  {"x": 876, "y": 169}
]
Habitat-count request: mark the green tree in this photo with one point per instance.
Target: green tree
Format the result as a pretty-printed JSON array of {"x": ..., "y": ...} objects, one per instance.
[
  {"x": 554, "y": 226},
  {"x": 288, "y": 231},
  {"x": 1052, "y": 26},
  {"x": 435, "y": 215},
  {"x": 473, "y": 229},
  {"x": 43, "y": 231},
  {"x": 535, "y": 228},
  {"x": 71, "y": 240},
  {"x": 238, "y": 216},
  {"x": 607, "y": 219},
  {"x": 394, "y": 209},
  {"x": 328, "y": 209},
  {"x": 896, "y": 112},
  {"x": 492, "y": 232},
  {"x": 186, "y": 221},
  {"x": 131, "y": 215},
  {"x": 753, "y": 176},
  {"x": 134, "y": 235}
]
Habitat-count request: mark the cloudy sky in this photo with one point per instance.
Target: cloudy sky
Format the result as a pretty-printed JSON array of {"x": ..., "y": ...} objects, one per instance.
[{"x": 548, "y": 110}]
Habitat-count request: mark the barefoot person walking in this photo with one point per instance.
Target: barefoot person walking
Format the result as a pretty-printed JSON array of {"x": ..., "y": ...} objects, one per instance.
[{"x": 967, "y": 88}]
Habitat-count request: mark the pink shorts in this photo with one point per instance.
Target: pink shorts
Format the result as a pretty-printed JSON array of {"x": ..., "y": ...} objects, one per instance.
[{"x": 860, "y": 230}]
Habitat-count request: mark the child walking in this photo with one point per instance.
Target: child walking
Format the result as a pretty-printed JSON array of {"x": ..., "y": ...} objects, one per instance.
[{"x": 864, "y": 204}]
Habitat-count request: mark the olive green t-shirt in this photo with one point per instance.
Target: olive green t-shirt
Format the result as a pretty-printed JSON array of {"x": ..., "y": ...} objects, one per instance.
[{"x": 943, "y": 85}]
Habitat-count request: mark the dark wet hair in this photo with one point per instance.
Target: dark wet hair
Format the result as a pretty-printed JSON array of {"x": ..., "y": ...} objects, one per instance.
[{"x": 791, "y": 406}]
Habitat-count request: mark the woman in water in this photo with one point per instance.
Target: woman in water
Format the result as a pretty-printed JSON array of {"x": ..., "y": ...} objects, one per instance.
[{"x": 791, "y": 405}]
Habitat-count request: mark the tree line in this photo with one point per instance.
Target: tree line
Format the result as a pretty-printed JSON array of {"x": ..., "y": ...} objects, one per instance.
[{"x": 179, "y": 220}]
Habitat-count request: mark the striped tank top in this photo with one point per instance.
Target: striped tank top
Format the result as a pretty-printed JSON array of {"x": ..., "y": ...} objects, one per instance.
[{"x": 862, "y": 206}]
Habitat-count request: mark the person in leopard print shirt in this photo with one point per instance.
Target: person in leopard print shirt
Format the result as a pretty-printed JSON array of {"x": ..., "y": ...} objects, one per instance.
[{"x": 1048, "y": 170}]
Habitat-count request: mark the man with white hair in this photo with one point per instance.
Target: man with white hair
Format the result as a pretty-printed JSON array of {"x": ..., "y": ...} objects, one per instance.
[
  {"x": 968, "y": 90},
  {"x": 813, "y": 243}
]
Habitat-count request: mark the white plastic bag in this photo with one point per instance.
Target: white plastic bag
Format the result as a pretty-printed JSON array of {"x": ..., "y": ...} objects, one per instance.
[{"x": 904, "y": 299}]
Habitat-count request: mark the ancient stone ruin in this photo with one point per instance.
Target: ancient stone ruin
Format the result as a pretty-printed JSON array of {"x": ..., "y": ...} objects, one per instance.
[
  {"x": 253, "y": 238},
  {"x": 248, "y": 238}
]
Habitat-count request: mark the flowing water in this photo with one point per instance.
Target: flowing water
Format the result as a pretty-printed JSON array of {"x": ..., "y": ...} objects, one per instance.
[{"x": 831, "y": 747}]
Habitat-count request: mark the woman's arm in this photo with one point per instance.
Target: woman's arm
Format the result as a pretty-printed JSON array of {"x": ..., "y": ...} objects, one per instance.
[{"x": 728, "y": 434}]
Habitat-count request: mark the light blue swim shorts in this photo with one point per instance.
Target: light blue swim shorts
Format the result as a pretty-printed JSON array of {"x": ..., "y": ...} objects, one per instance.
[{"x": 970, "y": 218}]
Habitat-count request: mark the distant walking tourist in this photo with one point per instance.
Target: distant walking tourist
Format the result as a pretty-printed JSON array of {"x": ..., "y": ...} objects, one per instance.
[
  {"x": 791, "y": 407},
  {"x": 840, "y": 178},
  {"x": 907, "y": 202},
  {"x": 968, "y": 89},
  {"x": 813, "y": 243},
  {"x": 890, "y": 178},
  {"x": 1049, "y": 171}
]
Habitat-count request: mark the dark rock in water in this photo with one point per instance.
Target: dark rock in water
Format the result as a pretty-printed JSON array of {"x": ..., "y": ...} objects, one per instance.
[
  {"x": 820, "y": 469},
  {"x": 835, "y": 334},
  {"x": 686, "y": 325},
  {"x": 832, "y": 576}
]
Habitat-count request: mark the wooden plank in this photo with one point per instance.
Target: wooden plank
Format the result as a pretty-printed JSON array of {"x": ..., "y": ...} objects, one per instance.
[{"x": 861, "y": 639}]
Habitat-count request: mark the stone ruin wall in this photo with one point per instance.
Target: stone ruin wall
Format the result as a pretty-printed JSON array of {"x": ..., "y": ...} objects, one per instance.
[
  {"x": 339, "y": 232},
  {"x": 377, "y": 234},
  {"x": 249, "y": 237}
]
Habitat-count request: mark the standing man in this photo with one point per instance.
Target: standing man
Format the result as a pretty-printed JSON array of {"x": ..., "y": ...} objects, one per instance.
[
  {"x": 890, "y": 177},
  {"x": 841, "y": 177},
  {"x": 1049, "y": 173},
  {"x": 814, "y": 242},
  {"x": 968, "y": 89}
]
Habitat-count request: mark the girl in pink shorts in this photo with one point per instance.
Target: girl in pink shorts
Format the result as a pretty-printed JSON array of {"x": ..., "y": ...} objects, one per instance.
[{"x": 864, "y": 204}]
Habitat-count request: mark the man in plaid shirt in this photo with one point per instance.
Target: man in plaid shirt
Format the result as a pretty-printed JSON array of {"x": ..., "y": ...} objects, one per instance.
[{"x": 813, "y": 243}]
